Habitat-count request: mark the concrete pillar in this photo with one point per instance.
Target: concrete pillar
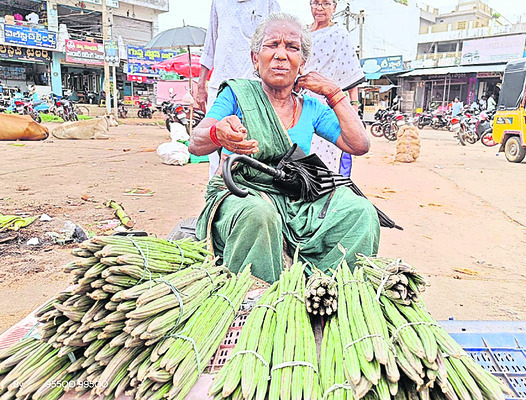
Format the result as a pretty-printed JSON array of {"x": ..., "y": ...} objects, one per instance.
[{"x": 56, "y": 73}]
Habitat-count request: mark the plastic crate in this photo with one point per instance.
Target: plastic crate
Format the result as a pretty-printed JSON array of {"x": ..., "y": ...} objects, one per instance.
[
  {"x": 498, "y": 346},
  {"x": 198, "y": 159}
]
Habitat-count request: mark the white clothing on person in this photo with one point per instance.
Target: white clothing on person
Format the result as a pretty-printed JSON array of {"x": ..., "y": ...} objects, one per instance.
[
  {"x": 227, "y": 44},
  {"x": 334, "y": 57},
  {"x": 491, "y": 104}
]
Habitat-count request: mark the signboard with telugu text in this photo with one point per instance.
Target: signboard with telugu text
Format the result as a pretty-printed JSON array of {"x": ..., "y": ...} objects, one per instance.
[
  {"x": 384, "y": 65},
  {"x": 29, "y": 36},
  {"x": 141, "y": 60},
  {"x": 84, "y": 52},
  {"x": 111, "y": 51},
  {"x": 493, "y": 50},
  {"x": 24, "y": 54}
]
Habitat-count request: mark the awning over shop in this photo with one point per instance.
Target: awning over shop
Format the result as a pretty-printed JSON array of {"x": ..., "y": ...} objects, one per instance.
[
  {"x": 376, "y": 75},
  {"x": 386, "y": 88},
  {"x": 465, "y": 69}
]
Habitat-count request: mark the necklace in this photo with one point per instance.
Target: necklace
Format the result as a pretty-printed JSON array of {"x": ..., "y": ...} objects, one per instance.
[{"x": 294, "y": 109}]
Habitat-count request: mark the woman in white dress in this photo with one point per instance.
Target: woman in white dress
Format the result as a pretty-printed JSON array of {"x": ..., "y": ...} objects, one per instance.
[{"x": 333, "y": 56}]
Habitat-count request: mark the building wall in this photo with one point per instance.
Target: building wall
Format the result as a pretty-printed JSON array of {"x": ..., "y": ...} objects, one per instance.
[{"x": 383, "y": 34}]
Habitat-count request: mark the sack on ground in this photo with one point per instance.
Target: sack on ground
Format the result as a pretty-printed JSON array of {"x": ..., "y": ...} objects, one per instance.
[
  {"x": 407, "y": 144},
  {"x": 178, "y": 132},
  {"x": 173, "y": 153}
]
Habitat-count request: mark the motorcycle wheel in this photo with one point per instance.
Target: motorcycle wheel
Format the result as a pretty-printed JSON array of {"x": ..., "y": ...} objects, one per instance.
[
  {"x": 150, "y": 115},
  {"x": 36, "y": 117},
  {"x": 487, "y": 138},
  {"x": 460, "y": 135},
  {"x": 139, "y": 114},
  {"x": 472, "y": 138},
  {"x": 420, "y": 125},
  {"x": 376, "y": 129},
  {"x": 389, "y": 131},
  {"x": 168, "y": 122},
  {"x": 435, "y": 126},
  {"x": 73, "y": 117}
]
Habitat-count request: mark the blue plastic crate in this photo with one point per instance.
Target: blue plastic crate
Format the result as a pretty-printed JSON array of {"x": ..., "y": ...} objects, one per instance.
[{"x": 498, "y": 346}]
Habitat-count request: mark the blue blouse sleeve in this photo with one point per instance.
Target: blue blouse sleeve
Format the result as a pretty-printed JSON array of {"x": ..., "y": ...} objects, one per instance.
[
  {"x": 224, "y": 105},
  {"x": 325, "y": 122}
]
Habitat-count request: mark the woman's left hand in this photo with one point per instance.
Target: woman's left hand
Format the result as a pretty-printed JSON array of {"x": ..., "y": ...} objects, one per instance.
[{"x": 316, "y": 83}]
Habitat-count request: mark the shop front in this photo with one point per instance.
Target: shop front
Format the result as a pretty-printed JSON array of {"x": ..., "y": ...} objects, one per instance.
[
  {"x": 26, "y": 54},
  {"x": 436, "y": 88},
  {"x": 141, "y": 77},
  {"x": 83, "y": 71},
  {"x": 380, "y": 90}
]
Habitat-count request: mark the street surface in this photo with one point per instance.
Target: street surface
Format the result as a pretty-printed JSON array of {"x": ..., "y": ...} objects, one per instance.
[{"x": 463, "y": 210}]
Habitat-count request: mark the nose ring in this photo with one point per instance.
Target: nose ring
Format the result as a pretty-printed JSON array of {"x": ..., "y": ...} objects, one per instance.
[{"x": 276, "y": 56}]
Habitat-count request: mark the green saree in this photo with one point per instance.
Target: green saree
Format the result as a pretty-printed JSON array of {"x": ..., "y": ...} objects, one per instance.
[{"x": 252, "y": 229}]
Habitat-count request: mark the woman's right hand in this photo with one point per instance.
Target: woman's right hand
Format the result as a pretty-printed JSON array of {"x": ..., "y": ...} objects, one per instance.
[{"x": 232, "y": 135}]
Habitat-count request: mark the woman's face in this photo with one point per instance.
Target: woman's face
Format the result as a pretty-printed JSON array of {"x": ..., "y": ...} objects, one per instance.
[
  {"x": 279, "y": 59},
  {"x": 322, "y": 10}
]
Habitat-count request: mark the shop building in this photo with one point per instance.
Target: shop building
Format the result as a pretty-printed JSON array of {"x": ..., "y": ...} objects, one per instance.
[
  {"x": 41, "y": 41},
  {"x": 459, "y": 54},
  {"x": 26, "y": 46},
  {"x": 130, "y": 22},
  {"x": 380, "y": 90}
]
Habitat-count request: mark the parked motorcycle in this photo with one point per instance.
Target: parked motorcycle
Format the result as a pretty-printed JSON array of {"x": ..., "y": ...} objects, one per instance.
[
  {"x": 483, "y": 129},
  {"x": 467, "y": 132},
  {"x": 174, "y": 113},
  {"x": 65, "y": 109},
  {"x": 123, "y": 112},
  {"x": 440, "y": 121},
  {"x": 382, "y": 117},
  {"x": 424, "y": 119},
  {"x": 144, "y": 110},
  {"x": 25, "y": 107}
]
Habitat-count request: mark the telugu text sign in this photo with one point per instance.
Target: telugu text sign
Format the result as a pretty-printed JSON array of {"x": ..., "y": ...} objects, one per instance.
[
  {"x": 493, "y": 50},
  {"x": 24, "y": 54},
  {"x": 23, "y": 35},
  {"x": 84, "y": 52},
  {"x": 141, "y": 60},
  {"x": 382, "y": 64}
]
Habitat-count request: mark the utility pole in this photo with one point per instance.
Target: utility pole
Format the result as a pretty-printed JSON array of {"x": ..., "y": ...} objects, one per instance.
[
  {"x": 348, "y": 17},
  {"x": 106, "y": 64},
  {"x": 361, "y": 21}
]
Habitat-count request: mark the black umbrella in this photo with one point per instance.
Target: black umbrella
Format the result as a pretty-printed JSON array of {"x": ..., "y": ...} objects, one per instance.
[{"x": 300, "y": 177}]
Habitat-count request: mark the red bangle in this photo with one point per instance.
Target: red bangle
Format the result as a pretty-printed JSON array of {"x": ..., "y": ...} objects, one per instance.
[
  {"x": 213, "y": 136},
  {"x": 336, "y": 99},
  {"x": 332, "y": 94}
]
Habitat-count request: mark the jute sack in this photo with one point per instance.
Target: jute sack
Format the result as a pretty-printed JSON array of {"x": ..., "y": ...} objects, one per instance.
[{"x": 407, "y": 144}]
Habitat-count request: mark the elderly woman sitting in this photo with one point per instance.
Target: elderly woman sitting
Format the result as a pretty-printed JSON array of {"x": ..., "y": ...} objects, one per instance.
[{"x": 263, "y": 119}]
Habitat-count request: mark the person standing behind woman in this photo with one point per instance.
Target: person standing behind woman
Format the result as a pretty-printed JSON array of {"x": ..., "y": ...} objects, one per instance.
[
  {"x": 333, "y": 56},
  {"x": 227, "y": 49}
]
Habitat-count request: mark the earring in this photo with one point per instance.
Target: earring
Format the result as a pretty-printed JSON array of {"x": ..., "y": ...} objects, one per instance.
[{"x": 256, "y": 74}]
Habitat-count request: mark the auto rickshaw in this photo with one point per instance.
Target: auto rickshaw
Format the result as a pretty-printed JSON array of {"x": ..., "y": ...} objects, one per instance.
[{"x": 509, "y": 125}]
